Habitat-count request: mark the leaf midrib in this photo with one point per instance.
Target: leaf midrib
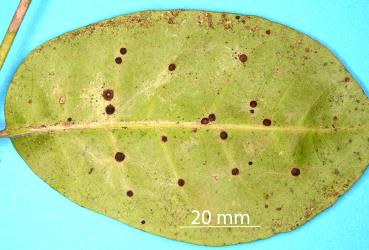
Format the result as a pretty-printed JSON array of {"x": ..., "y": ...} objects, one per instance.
[{"x": 160, "y": 124}]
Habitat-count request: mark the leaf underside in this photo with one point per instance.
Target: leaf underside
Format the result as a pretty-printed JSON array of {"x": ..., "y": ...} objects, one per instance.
[{"x": 115, "y": 117}]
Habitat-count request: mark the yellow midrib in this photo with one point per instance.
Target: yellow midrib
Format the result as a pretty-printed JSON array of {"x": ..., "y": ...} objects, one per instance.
[{"x": 166, "y": 124}]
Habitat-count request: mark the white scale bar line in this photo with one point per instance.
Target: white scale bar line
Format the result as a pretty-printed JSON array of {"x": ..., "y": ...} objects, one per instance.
[{"x": 217, "y": 226}]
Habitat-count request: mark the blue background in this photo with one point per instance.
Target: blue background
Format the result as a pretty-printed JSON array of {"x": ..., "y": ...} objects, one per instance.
[{"x": 34, "y": 216}]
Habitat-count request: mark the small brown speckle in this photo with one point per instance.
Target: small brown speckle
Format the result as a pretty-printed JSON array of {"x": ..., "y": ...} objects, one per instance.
[
  {"x": 118, "y": 60},
  {"x": 212, "y": 117},
  {"x": 295, "y": 171},
  {"x": 205, "y": 120},
  {"x": 181, "y": 182},
  {"x": 267, "y": 32},
  {"x": 172, "y": 67},
  {"x": 69, "y": 119},
  {"x": 347, "y": 79},
  {"x": 29, "y": 101},
  {"x": 123, "y": 51},
  {"x": 119, "y": 156},
  {"x": 267, "y": 122},
  {"x": 108, "y": 94},
  {"x": 235, "y": 171},
  {"x": 194, "y": 130},
  {"x": 223, "y": 135},
  {"x": 164, "y": 138},
  {"x": 91, "y": 170},
  {"x": 110, "y": 109},
  {"x": 252, "y": 111},
  {"x": 253, "y": 104},
  {"x": 237, "y": 17},
  {"x": 129, "y": 193},
  {"x": 143, "y": 222},
  {"x": 62, "y": 100},
  {"x": 250, "y": 163},
  {"x": 266, "y": 206},
  {"x": 242, "y": 58}
]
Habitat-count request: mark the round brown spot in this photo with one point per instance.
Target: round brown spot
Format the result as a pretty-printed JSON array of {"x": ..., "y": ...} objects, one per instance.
[
  {"x": 212, "y": 117},
  {"x": 123, "y": 51},
  {"x": 110, "y": 109},
  {"x": 242, "y": 58},
  {"x": 118, "y": 60},
  {"x": 194, "y": 130},
  {"x": 267, "y": 122},
  {"x": 266, "y": 206},
  {"x": 347, "y": 79},
  {"x": 172, "y": 67},
  {"x": 250, "y": 163},
  {"x": 69, "y": 119},
  {"x": 235, "y": 171},
  {"x": 108, "y": 94},
  {"x": 267, "y": 32},
  {"x": 205, "y": 120},
  {"x": 129, "y": 193},
  {"x": 253, "y": 104},
  {"x": 237, "y": 17},
  {"x": 223, "y": 135},
  {"x": 295, "y": 171},
  {"x": 252, "y": 111},
  {"x": 164, "y": 138},
  {"x": 143, "y": 222},
  {"x": 29, "y": 101},
  {"x": 119, "y": 157},
  {"x": 181, "y": 182}
]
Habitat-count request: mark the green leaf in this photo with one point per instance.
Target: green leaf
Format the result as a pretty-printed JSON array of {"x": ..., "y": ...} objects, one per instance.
[{"x": 117, "y": 117}]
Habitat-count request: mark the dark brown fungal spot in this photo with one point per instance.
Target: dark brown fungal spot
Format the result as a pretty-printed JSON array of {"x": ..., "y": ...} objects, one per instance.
[
  {"x": 171, "y": 67},
  {"x": 110, "y": 109},
  {"x": 123, "y": 51},
  {"x": 223, "y": 135},
  {"x": 235, "y": 171},
  {"x": 295, "y": 171},
  {"x": 129, "y": 193},
  {"x": 267, "y": 32},
  {"x": 181, "y": 182},
  {"x": 335, "y": 118},
  {"x": 252, "y": 111},
  {"x": 278, "y": 209},
  {"x": 69, "y": 119},
  {"x": 118, "y": 60},
  {"x": 194, "y": 130},
  {"x": 267, "y": 122},
  {"x": 119, "y": 156},
  {"x": 205, "y": 120},
  {"x": 90, "y": 171},
  {"x": 164, "y": 138},
  {"x": 250, "y": 163},
  {"x": 29, "y": 101},
  {"x": 108, "y": 94},
  {"x": 253, "y": 104},
  {"x": 347, "y": 79},
  {"x": 212, "y": 117},
  {"x": 143, "y": 222},
  {"x": 242, "y": 58},
  {"x": 266, "y": 206},
  {"x": 237, "y": 17}
]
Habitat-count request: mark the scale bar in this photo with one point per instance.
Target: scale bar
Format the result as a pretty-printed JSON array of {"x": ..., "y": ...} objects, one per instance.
[{"x": 221, "y": 226}]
